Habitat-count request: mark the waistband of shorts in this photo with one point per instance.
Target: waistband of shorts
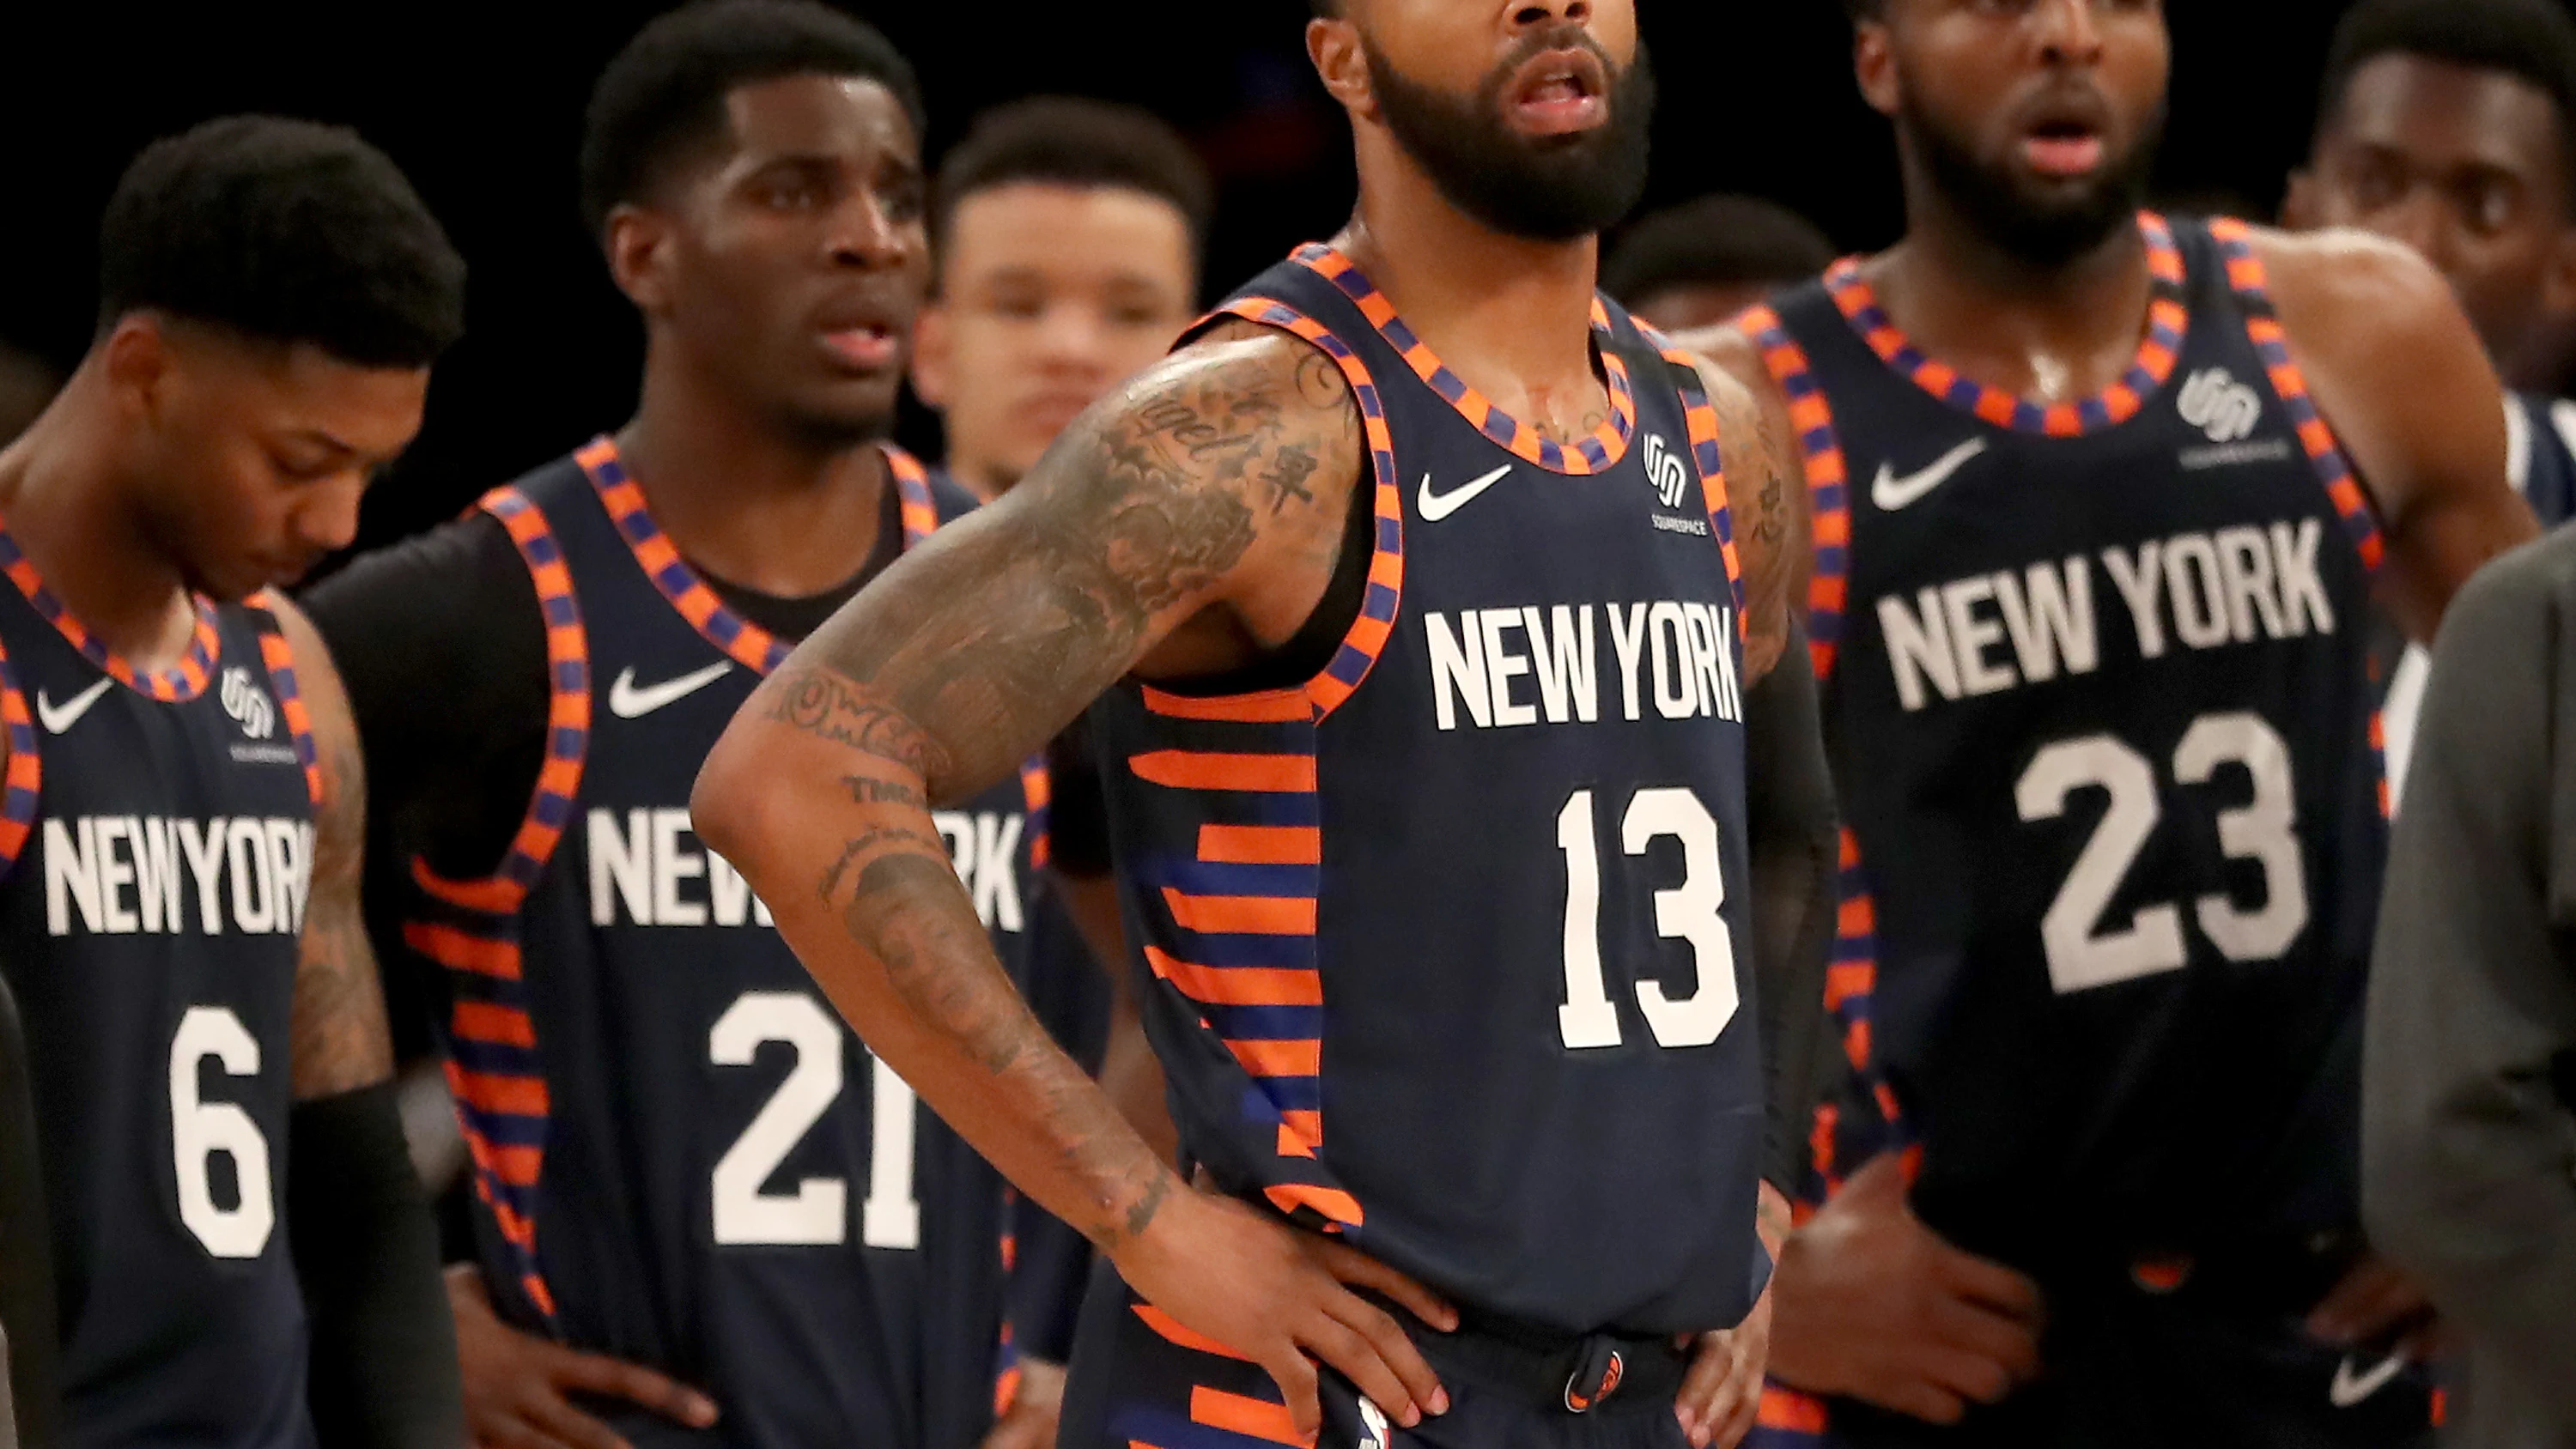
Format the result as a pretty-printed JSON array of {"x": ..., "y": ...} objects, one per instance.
[{"x": 1555, "y": 1371}]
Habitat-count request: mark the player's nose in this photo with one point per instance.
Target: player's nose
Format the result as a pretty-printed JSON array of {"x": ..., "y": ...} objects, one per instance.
[
  {"x": 329, "y": 520},
  {"x": 864, "y": 234},
  {"x": 2068, "y": 33},
  {"x": 1539, "y": 14}
]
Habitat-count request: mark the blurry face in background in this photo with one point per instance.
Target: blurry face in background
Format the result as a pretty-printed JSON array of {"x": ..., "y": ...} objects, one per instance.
[
  {"x": 2466, "y": 166},
  {"x": 789, "y": 266},
  {"x": 1049, "y": 297},
  {"x": 2037, "y": 120},
  {"x": 248, "y": 458},
  {"x": 1536, "y": 126}
]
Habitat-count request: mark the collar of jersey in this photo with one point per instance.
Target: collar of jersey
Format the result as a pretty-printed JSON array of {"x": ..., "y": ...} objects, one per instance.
[
  {"x": 748, "y": 644},
  {"x": 2168, "y": 319},
  {"x": 1596, "y": 454},
  {"x": 176, "y": 685}
]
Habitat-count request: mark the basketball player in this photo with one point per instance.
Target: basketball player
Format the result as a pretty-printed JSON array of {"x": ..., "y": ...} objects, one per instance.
[
  {"x": 1067, "y": 234},
  {"x": 1700, "y": 263},
  {"x": 1412, "y": 579},
  {"x": 185, "y": 808},
  {"x": 702, "y": 1212},
  {"x": 2099, "y": 501},
  {"x": 2446, "y": 126}
]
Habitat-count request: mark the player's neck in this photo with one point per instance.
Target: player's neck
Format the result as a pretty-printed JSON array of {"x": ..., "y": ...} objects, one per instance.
[
  {"x": 748, "y": 500},
  {"x": 976, "y": 472},
  {"x": 1511, "y": 316},
  {"x": 66, "y": 507},
  {"x": 2052, "y": 332}
]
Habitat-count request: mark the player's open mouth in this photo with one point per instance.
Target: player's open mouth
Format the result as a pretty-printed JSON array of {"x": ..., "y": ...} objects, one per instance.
[
  {"x": 2063, "y": 150},
  {"x": 1560, "y": 92},
  {"x": 868, "y": 347}
]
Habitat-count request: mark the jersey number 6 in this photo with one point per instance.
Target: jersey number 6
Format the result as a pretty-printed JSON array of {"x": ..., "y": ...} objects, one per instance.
[{"x": 1687, "y": 912}]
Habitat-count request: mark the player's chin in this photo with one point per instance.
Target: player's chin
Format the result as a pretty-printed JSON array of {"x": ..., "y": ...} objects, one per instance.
[{"x": 852, "y": 409}]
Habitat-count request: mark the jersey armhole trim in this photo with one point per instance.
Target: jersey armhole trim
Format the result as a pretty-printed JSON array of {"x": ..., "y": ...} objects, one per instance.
[
  {"x": 1367, "y": 637},
  {"x": 278, "y": 658},
  {"x": 1828, "y": 482},
  {"x": 567, "y": 721},
  {"x": 2352, "y": 502},
  {"x": 24, "y": 780},
  {"x": 1700, "y": 416}
]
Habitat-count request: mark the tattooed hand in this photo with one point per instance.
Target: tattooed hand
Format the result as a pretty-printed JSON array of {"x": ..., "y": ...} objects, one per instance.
[{"x": 1177, "y": 528}]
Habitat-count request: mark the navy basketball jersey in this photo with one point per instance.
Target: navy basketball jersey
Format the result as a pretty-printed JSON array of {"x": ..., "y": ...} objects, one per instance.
[
  {"x": 1447, "y": 944},
  {"x": 682, "y": 1157},
  {"x": 158, "y": 844},
  {"x": 2540, "y": 436},
  {"x": 2097, "y": 699}
]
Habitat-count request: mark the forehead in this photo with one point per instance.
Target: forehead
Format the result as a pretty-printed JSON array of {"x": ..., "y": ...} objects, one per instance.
[
  {"x": 297, "y": 387},
  {"x": 2439, "y": 110},
  {"x": 1104, "y": 230},
  {"x": 843, "y": 117}
]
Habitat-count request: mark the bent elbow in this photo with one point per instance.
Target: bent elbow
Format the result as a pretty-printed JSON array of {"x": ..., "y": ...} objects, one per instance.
[{"x": 731, "y": 798}]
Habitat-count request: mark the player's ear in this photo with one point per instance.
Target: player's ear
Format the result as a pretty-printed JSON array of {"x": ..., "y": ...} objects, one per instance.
[
  {"x": 1334, "y": 46},
  {"x": 932, "y": 356},
  {"x": 2300, "y": 209},
  {"x": 136, "y": 357},
  {"x": 1874, "y": 66},
  {"x": 638, "y": 244}
]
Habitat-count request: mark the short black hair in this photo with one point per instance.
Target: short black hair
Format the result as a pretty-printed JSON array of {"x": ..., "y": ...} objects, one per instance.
[
  {"x": 282, "y": 231},
  {"x": 1859, "y": 10},
  {"x": 663, "y": 96},
  {"x": 1070, "y": 141},
  {"x": 2532, "y": 40},
  {"x": 1715, "y": 241}
]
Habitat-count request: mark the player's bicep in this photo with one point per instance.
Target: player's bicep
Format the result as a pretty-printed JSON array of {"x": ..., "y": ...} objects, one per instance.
[
  {"x": 1766, "y": 496},
  {"x": 340, "y": 1038},
  {"x": 1185, "y": 492}
]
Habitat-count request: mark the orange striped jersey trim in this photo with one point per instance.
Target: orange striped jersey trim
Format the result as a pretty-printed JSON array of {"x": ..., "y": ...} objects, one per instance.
[
  {"x": 24, "y": 781},
  {"x": 278, "y": 657},
  {"x": 1174, "y": 1332},
  {"x": 1828, "y": 482},
  {"x": 2272, "y": 343},
  {"x": 1368, "y": 634},
  {"x": 178, "y": 684},
  {"x": 745, "y": 642},
  {"x": 1238, "y": 1414},
  {"x": 1701, "y": 417},
  {"x": 2159, "y": 352},
  {"x": 1596, "y": 454}
]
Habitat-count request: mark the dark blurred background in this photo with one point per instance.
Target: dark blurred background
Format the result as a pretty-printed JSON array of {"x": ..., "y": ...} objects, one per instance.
[{"x": 481, "y": 103}]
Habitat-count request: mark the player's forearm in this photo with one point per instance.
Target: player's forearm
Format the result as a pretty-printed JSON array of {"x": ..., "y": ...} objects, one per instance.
[
  {"x": 837, "y": 837},
  {"x": 1792, "y": 815}
]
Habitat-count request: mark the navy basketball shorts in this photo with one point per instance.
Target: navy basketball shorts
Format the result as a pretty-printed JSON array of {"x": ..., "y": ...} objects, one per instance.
[
  {"x": 1141, "y": 1381},
  {"x": 2136, "y": 1360}
]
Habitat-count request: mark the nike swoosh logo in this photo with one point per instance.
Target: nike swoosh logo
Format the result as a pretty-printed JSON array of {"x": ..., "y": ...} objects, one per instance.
[
  {"x": 2350, "y": 1388},
  {"x": 60, "y": 717},
  {"x": 627, "y": 702},
  {"x": 1437, "y": 506},
  {"x": 1891, "y": 493}
]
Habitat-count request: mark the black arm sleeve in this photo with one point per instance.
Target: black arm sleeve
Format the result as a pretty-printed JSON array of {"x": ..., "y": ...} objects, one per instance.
[
  {"x": 1794, "y": 859},
  {"x": 442, "y": 647},
  {"x": 366, "y": 1249},
  {"x": 26, "y": 1249}
]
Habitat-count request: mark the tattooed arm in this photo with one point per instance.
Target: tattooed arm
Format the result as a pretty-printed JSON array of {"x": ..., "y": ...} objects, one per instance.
[
  {"x": 383, "y": 1373},
  {"x": 1180, "y": 527},
  {"x": 341, "y": 1041}
]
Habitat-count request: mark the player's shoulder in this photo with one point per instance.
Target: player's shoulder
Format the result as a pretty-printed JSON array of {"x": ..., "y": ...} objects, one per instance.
[{"x": 2339, "y": 278}]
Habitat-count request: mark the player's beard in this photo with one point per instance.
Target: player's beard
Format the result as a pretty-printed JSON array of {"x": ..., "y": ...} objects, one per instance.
[
  {"x": 2044, "y": 230},
  {"x": 1552, "y": 188}
]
